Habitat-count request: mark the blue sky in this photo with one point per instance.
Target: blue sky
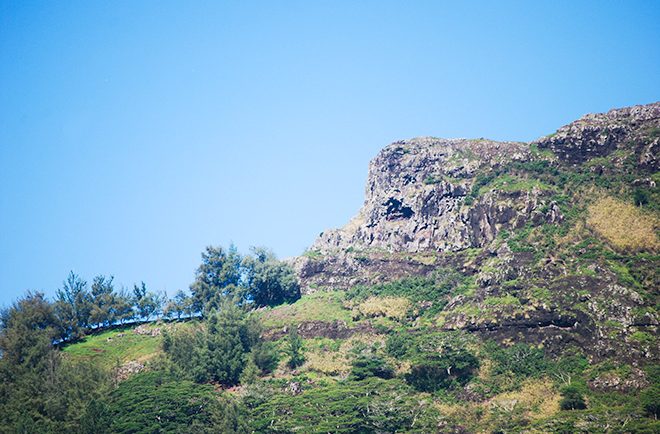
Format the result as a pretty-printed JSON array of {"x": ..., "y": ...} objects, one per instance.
[{"x": 133, "y": 134}]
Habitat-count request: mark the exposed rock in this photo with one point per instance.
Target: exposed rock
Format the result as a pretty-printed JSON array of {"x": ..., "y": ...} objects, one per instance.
[
  {"x": 415, "y": 194},
  {"x": 146, "y": 330},
  {"x": 598, "y": 135},
  {"x": 127, "y": 369}
]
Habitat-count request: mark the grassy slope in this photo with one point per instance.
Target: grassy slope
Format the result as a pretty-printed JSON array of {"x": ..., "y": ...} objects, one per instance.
[{"x": 115, "y": 347}]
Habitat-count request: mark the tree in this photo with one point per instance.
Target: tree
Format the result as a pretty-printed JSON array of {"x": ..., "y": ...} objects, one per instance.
[
  {"x": 265, "y": 357},
  {"x": 178, "y": 306},
  {"x": 147, "y": 303},
  {"x": 122, "y": 307},
  {"x": 40, "y": 391},
  {"x": 269, "y": 282},
  {"x": 219, "y": 275},
  {"x": 102, "y": 301},
  {"x": 226, "y": 351},
  {"x": 294, "y": 349},
  {"x": 73, "y": 306}
]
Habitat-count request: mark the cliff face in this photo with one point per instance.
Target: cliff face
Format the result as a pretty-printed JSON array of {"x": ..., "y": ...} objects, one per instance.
[
  {"x": 515, "y": 220},
  {"x": 416, "y": 198},
  {"x": 433, "y": 194}
]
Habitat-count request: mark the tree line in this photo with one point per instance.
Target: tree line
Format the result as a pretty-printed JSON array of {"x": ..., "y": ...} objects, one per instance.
[
  {"x": 254, "y": 280},
  {"x": 42, "y": 391}
]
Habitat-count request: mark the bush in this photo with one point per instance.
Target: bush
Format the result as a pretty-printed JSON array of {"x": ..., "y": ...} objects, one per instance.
[
  {"x": 156, "y": 402},
  {"x": 448, "y": 370},
  {"x": 520, "y": 359},
  {"x": 266, "y": 357},
  {"x": 294, "y": 349},
  {"x": 650, "y": 400},
  {"x": 398, "y": 344},
  {"x": 572, "y": 398},
  {"x": 371, "y": 366}
]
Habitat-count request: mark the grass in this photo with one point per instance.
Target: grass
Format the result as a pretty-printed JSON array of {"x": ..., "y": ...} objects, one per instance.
[
  {"x": 112, "y": 347},
  {"x": 389, "y": 307},
  {"x": 510, "y": 183},
  {"x": 320, "y": 306},
  {"x": 623, "y": 225}
]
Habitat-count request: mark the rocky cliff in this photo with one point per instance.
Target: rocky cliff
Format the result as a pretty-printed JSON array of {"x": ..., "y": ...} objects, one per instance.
[
  {"x": 434, "y": 194},
  {"x": 516, "y": 220}
]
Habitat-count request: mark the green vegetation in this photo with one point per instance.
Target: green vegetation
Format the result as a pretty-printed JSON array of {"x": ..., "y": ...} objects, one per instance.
[
  {"x": 486, "y": 342},
  {"x": 319, "y": 306},
  {"x": 157, "y": 402},
  {"x": 110, "y": 348}
]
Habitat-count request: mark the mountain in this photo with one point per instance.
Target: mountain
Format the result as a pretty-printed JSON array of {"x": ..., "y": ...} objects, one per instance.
[
  {"x": 483, "y": 287},
  {"x": 547, "y": 232}
]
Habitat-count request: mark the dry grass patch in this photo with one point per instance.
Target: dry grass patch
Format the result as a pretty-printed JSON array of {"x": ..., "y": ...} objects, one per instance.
[
  {"x": 624, "y": 225},
  {"x": 328, "y": 363},
  {"x": 537, "y": 398},
  {"x": 389, "y": 307}
]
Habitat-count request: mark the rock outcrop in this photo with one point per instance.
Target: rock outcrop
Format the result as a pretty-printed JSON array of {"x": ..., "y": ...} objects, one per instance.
[
  {"x": 510, "y": 218},
  {"x": 417, "y": 195},
  {"x": 631, "y": 130}
]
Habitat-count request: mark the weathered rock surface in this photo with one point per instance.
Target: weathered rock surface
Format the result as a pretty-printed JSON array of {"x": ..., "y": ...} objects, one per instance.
[
  {"x": 415, "y": 194},
  {"x": 633, "y": 129},
  {"x": 433, "y": 205}
]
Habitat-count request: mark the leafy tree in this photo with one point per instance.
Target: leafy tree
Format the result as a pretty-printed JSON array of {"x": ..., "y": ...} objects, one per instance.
[
  {"x": 294, "y": 348},
  {"x": 219, "y": 275},
  {"x": 270, "y": 282}
]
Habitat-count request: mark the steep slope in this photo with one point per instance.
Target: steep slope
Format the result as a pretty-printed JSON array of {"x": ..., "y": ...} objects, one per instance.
[{"x": 519, "y": 222}]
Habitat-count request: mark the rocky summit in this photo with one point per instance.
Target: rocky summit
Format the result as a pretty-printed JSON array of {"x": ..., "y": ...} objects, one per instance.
[{"x": 542, "y": 232}]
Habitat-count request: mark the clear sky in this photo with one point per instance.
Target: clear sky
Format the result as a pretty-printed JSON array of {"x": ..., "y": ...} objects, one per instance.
[{"x": 135, "y": 133}]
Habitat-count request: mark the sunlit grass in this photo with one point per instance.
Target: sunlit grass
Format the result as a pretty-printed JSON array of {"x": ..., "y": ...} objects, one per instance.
[{"x": 115, "y": 347}]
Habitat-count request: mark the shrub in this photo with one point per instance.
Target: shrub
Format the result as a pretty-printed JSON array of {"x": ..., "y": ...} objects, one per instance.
[
  {"x": 398, "y": 344},
  {"x": 156, "y": 402},
  {"x": 371, "y": 366},
  {"x": 294, "y": 349},
  {"x": 265, "y": 356},
  {"x": 650, "y": 400},
  {"x": 519, "y": 359},
  {"x": 572, "y": 398},
  {"x": 447, "y": 370}
]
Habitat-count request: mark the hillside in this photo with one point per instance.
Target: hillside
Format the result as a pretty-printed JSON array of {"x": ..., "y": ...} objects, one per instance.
[{"x": 484, "y": 286}]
